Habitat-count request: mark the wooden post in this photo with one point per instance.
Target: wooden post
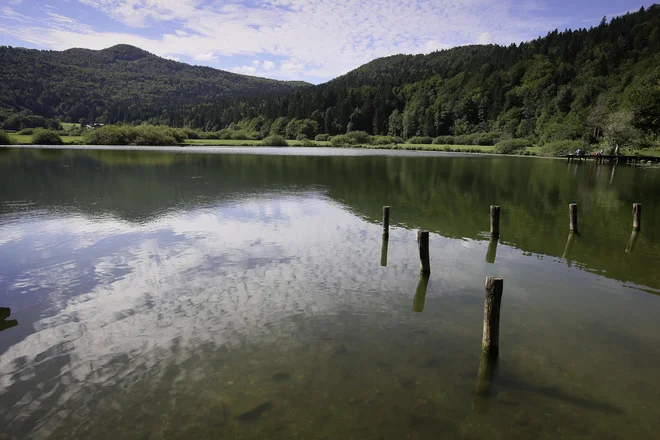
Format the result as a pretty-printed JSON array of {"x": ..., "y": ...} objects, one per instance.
[
  {"x": 491, "y": 337},
  {"x": 423, "y": 244},
  {"x": 386, "y": 221},
  {"x": 573, "y": 216},
  {"x": 637, "y": 216},
  {"x": 492, "y": 250},
  {"x": 4, "y": 314},
  {"x": 383, "y": 251},
  {"x": 494, "y": 221},
  {"x": 420, "y": 293}
]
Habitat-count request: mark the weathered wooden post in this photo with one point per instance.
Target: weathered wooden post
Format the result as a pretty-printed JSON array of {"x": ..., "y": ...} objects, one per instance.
[
  {"x": 420, "y": 293},
  {"x": 632, "y": 242},
  {"x": 637, "y": 216},
  {"x": 491, "y": 337},
  {"x": 4, "y": 314},
  {"x": 573, "y": 216},
  {"x": 386, "y": 221},
  {"x": 494, "y": 221},
  {"x": 492, "y": 250},
  {"x": 383, "y": 251},
  {"x": 423, "y": 244}
]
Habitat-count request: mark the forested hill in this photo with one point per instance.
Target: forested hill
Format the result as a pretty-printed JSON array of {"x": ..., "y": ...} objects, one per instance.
[
  {"x": 118, "y": 83},
  {"x": 566, "y": 85},
  {"x": 584, "y": 84}
]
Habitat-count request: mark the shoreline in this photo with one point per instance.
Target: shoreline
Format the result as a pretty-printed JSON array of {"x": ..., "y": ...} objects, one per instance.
[
  {"x": 291, "y": 150},
  {"x": 301, "y": 150}
]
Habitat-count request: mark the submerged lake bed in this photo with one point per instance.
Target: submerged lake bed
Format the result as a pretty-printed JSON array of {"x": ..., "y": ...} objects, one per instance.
[{"x": 248, "y": 294}]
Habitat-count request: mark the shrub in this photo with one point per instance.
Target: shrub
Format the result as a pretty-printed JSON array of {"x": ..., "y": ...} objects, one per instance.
[
  {"x": 358, "y": 137},
  {"x": 486, "y": 138},
  {"x": 275, "y": 141},
  {"x": 150, "y": 135},
  {"x": 462, "y": 139},
  {"x": 46, "y": 137},
  {"x": 512, "y": 146},
  {"x": 322, "y": 137},
  {"x": 144, "y": 135},
  {"x": 27, "y": 131},
  {"x": 190, "y": 133},
  {"x": 107, "y": 135},
  {"x": 386, "y": 140},
  {"x": 302, "y": 137},
  {"x": 490, "y": 138},
  {"x": 241, "y": 135},
  {"x": 342, "y": 141},
  {"x": 444, "y": 140},
  {"x": 308, "y": 143},
  {"x": 558, "y": 148},
  {"x": 420, "y": 140},
  {"x": 225, "y": 134},
  {"x": 5, "y": 139}
]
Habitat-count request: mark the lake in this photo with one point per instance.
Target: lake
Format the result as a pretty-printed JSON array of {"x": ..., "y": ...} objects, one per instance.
[{"x": 248, "y": 295}]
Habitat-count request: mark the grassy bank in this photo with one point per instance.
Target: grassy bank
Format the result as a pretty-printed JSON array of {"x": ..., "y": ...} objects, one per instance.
[
  {"x": 245, "y": 143},
  {"x": 79, "y": 140},
  {"x": 26, "y": 139}
]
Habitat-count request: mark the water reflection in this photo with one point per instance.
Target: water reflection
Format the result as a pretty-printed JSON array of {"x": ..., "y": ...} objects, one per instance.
[
  {"x": 442, "y": 196},
  {"x": 182, "y": 296},
  {"x": 420, "y": 293},
  {"x": 383, "y": 250},
  {"x": 632, "y": 242},
  {"x": 491, "y": 254},
  {"x": 569, "y": 244},
  {"x": 485, "y": 379}
]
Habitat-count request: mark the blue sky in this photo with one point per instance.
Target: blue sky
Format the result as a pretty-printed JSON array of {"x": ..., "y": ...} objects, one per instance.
[{"x": 311, "y": 40}]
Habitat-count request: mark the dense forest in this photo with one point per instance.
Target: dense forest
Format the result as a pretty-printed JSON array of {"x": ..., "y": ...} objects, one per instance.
[
  {"x": 586, "y": 84},
  {"x": 582, "y": 84},
  {"x": 122, "y": 83}
]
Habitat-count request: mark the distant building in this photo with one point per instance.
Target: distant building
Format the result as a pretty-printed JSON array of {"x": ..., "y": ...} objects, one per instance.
[{"x": 94, "y": 126}]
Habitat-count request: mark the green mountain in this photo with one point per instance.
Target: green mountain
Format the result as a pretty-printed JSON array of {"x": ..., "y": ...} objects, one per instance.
[
  {"x": 595, "y": 84},
  {"x": 121, "y": 83},
  {"x": 566, "y": 85}
]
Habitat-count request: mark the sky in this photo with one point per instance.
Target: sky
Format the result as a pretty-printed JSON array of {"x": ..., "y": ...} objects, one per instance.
[{"x": 310, "y": 40}]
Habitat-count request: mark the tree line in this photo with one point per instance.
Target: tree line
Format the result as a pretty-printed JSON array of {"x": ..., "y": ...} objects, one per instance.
[{"x": 593, "y": 85}]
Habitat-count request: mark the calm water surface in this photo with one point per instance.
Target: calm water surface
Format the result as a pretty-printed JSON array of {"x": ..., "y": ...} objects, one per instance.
[{"x": 165, "y": 295}]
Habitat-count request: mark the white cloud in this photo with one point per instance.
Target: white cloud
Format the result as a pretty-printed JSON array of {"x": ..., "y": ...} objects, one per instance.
[
  {"x": 173, "y": 58},
  {"x": 484, "y": 38},
  {"x": 208, "y": 56},
  {"x": 15, "y": 2},
  {"x": 10, "y": 14},
  {"x": 245, "y": 70},
  {"x": 315, "y": 38},
  {"x": 256, "y": 68}
]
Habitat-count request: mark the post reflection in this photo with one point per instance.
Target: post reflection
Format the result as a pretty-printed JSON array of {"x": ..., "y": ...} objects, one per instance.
[
  {"x": 420, "y": 293},
  {"x": 569, "y": 245},
  {"x": 4, "y": 323},
  {"x": 383, "y": 251},
  {"x": 485, "y": 378},
  {"x": 492, "y": 250},
  {"x": 632, "y": 242}
]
